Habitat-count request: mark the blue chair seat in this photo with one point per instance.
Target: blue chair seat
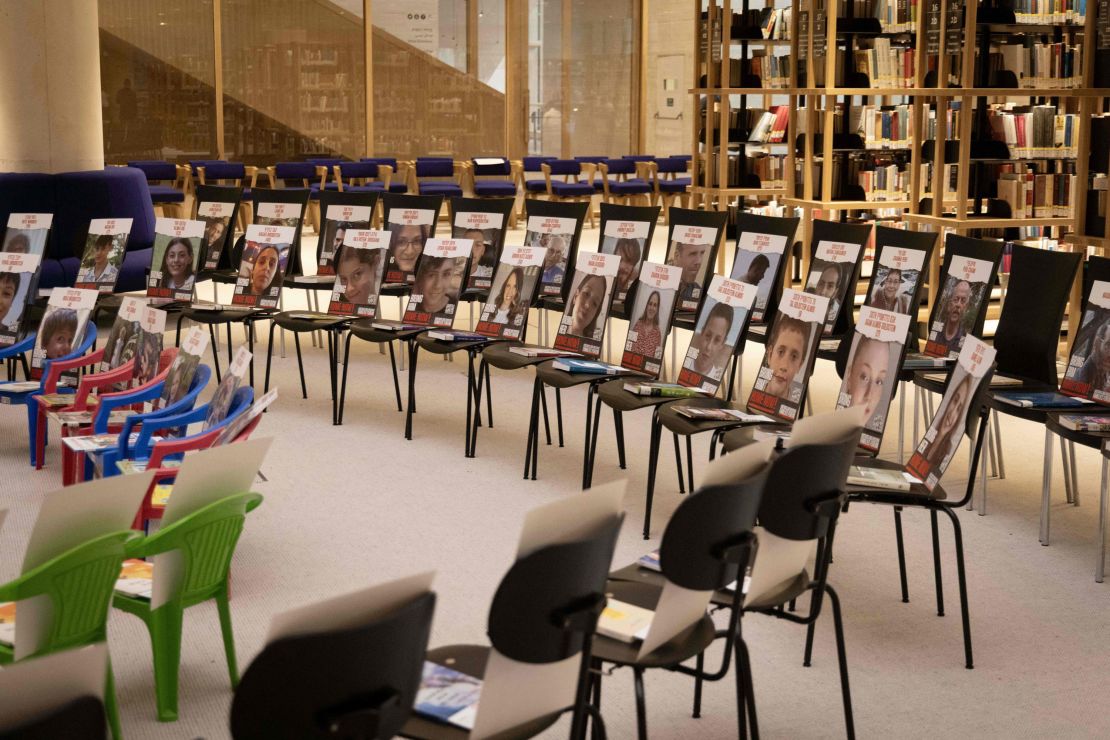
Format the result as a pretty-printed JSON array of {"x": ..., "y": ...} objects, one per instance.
[
  {"x": 494, "y": 187},
  {"x": 535, "y": 186},
  {"x": 630, "y": 187},
  {"x": 572, "y": 188},
  {"x": 373, "y": 187},
  {"x": 440, "y": 188},
  {"x": 134, "y": 270},
  {"x": 678, "y": 185},
  {"x": 331, "y": 186},
  {"x": 166, "y": 194}
]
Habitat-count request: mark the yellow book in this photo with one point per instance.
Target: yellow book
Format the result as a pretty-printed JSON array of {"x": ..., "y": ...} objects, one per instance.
[
  {"x": 136, "y": 578},
  {"x": 624, "y": 622},
  {"x": 7, "y": 623},
  {"x": 160, "y": 496}
]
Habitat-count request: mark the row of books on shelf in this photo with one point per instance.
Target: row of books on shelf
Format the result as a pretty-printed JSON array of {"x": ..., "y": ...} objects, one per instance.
[
  {"x": 886, "y": 127},
  {"x": 773, "y": 71},
  {"x": 896, "y": 16},
  {"x": 769, "y": 168},
  {"x": 1033, "y": 195},
  {"x": 884, "y": 183},
  {"x": 887, "y": 65},
  {"x": 1040, "y": 64},
  {"x": 770, "y": 128},
  {"x": 1035, "y": 131},
  {"x": 1044, "y": 12}
]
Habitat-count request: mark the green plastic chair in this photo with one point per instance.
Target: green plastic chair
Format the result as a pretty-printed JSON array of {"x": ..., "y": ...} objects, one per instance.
[
  {"x": 79, "y": 584},
  {"x": 206, "y": 539}
]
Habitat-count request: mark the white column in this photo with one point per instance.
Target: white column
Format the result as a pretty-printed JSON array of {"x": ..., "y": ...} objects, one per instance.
[{"x": 50, "y": 109}]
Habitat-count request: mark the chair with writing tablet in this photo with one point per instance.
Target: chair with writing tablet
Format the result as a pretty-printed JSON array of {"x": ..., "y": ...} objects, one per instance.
[
  {"x": 204, "y": 542},
  {"x": 937, "y": 500},
  {"x": 544, "y": 612},
  {"x": 78, "y": 584},
  {"x": 47, "y": 384},
  {"x": 355, "y": 682}
]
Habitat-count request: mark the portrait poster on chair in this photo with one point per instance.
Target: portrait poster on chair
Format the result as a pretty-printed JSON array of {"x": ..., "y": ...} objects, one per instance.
[
  {"x": 719, "y": 326},
  {"x": 18, "y": 271},
  {"x": 409, "y": 230},
  {"x": 271, "y": 213},
  {"x": 265, "y": 259},
  {"x": 872, "y": 370},
  {"x": 556, "y": 235},
  {"x": 216, "y": 217},
  {"x": 780, "y": 384},
  {"x": 689, "y": 250},
  {"x": 225, "y": 391},
  {"x": 935, "y": 450},
  {"x": 587, "y": 310},
  {"x": 63, "y": 325},
  {"x": 486, "y": 230},
  {"x": 505, "y": 314},
  {"x": 173, "y": 266},
  {"x": 651, "y": 316},
  {"x": 757, "y": 263},
  {"x": 123, "y": 338},
  {"x": 104, "y": 248},
  {"x": 27, "y": 233},
  {"x": 358, "y": 273},
  {"x": 183, "y": 368},
  {"x": 439, "y": 280},
  {"x": 963, "y": 294},
  {"x": 895, "y": 280},
  {"x": 148, "y": 348},
  {"x": 627, "y": 240},
  {"x": 1088, "y": 373},
  {"x": 830, "y": 274},
  {"x": 340, "y": 219}
]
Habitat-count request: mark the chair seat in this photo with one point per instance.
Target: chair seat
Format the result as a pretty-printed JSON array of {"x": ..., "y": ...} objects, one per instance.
[
  {"x": 224, "y": 316},
  {"x": 494, "y": 187},
  {"x": 470, "y": 660},
  {"x": 365, "y": 330},
  {"x": 166, "y": 194},
  {"x": 674, "y": 422},
  {"x": 614, "y": 396},
  {"x": 439, "y": 188},
  {"x": 674, "y": 186},
  {"x": 552, "y": 376},
  {"x": 918, "y": 492},
  {"x": 535, "y": 186},
  {"x": 1087, "y": 439},
  {"x": 440, "y": 347},
  {"x": 572, "y": 188},
  {"x": 370, "y": 187},
  {"x": 299, "y": 321},
  {"x": 630, "y": 187},
  {"x": 499, "y": 356},
  {"x": 734, "y": 439},
  {"x": 398, "y": 187},
  {"x": 682, "y": 647}
]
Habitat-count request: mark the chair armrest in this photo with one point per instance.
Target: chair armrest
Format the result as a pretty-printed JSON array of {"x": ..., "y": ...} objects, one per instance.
[
  {"x": 161, "y": 450},
  {"x": 516, "y": 171},
  {"x": 56, "y": 367},
  {"x": 385, "y": 174},
  {"x": 143, "y": 445},
  {"x": 106, "y": 379},
  {"x": 167, "y": 539},
  {"x": 200, "y": 174},
  {"x": 271, "y": 175},
  {"x": 546, "y": 169},
  {"x": 252, "y": 174},
  {"x": 459, "y": 169},
  {"x": 18, "y": 348}
]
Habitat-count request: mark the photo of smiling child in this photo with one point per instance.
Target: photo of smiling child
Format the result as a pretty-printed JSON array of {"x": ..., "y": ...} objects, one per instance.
[
  {"x": 173, "y": 267},
  {"x": 27, "y": 233},
  {"x": 724, "y": 313},
  {"x": 872, "y": 370},
  {"x": 784, "y": 374},
  {"x": 17, "y": 274},
  {"x": 104, "y": 248},
  {"x": 439, "y": 278},
  {"x": 63, "y": 324},
  {"x": 358, "y": 273},
  {"x": 506, "y": 310}
]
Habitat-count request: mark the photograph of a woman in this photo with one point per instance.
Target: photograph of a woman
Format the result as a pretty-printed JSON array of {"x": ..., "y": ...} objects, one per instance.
[
  {"x": 179, "y": 261},
  {"x": 27, "y": 241},
  {"x": 631, "y": 253},
  {"x": 215, "y": 229},
  {"x": 263, "y": 267},
  {"x": 588, "y": 300},
  {"x": 889, "y": 293},
  {"x": 948, "y": 424},
  {"x": 506, "y": 307},
  {"x": 406, "y": 242}
]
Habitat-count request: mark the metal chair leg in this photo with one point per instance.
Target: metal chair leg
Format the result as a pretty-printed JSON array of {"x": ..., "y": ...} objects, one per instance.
[
  {"x": 641, "y": 708},
  {"x": 269, "y": 357},
  {"x": 998, "y": 444},
  {"x": 393, "y": 368},
  {"x": 618, "y": 426},
  {"x": 842, "y": 659},
  {"x": 678, "y": 464},
  {"x": 300, "y": 361},
  {"x": 901, "y": 554},
  {"x": 653, "y": 464},
  {"x": 1074, "y": 474},
  {"x": 1046, "y": 486},
  {"x": 960, "y": 572},
  {"x": 343, "y": 385},
  {"x": 1103, "y": 502},
  {"x": 936, "y": 563}
]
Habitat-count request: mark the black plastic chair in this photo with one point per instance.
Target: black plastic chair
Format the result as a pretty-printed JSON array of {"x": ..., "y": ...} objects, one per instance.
[
  {"x": 358, "y": 683},
  {"x": 544, "y": 611},
  {"x": 80, "y": 719}
]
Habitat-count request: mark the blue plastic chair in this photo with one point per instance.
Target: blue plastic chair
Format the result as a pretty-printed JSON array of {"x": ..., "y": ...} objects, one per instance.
[
  {"x": 25, "y": 398},
  {"x": 18, "y": 351},
  {"x": 111, "y": 455}
]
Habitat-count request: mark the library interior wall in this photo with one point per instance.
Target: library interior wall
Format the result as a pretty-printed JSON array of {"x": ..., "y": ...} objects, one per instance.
[{"x": 50, "y": 81}]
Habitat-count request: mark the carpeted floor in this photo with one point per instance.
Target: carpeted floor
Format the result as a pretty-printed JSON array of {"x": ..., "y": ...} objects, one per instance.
[{"x": 357, "y": 504}]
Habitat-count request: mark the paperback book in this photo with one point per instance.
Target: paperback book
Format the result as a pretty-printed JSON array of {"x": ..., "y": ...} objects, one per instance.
[
  {"x": 872, "y": 369},
  {"x": 624, "y": 622},
  {"x": 63, "y": 325},
  {"x": 225, "y": 391},
  {"x": 627, "y": 240},
  {"x": 85, "y": 418},
  {"x": 18, "y": 275},
  {"x": 830, "y": 273},
  {"x": 555, "y": 235},
  {"x": 664, "y": 390},
  {"x": 717, "y": 331},
  {"x": 690, "y": 250},
  {"x": 358, "y": 273},
  {"x": 448, "y": 696},
  {"x": 265, "y": 259},
  {"x": 540, "y": 352},
  {"x": 505, "y": 313},
  {"x": 455, "y": 336},
  {"x": 1045, "y": 400},
  {"x": 650, "y": 561},
  {"x": 333, "y": 236},
  {"x": 183, "y": 368},
  {"x": 439, "y": 279},
  {"x": 650, "y": 318},
  {"x": 1088, "y": 371},
  {"x": 176, "y": 253},
  {"x": 757, "y": 264},
  {"x": 98, "y": 442},
  {"x": 216, "y": 216},
  {"x": 922, "y": 361},
  {"x": 586, "y": 367},
  {"x": 894, "y": 480},
  {"x": 963, "y": 295},
  {"x": 409, "y": 229},
  {"x": 587, "y": 309},
  {"x": 136, "y": 578},
  {"x": 486, "y": 230},
  {"x": 784, "y": 373},
  {"x": 935, "y": 450},
  {"x": 721, "y": 414},
  {"x": 27, "y": 233},
  {"x": 1099, "y": 423},
  {"x": 104, "y": 249}
]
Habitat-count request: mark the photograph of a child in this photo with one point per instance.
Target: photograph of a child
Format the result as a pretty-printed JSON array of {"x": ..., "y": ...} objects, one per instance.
[
  {"x": 120, "y": 346},
  {"x": 715, "y": 336},
  {"x": 14, "y": 290},
  {"x": 587, "y": 307},
  {"x": 829, "y": 280},
  {"x": 262, "y": 267},
  {"x": 631, "y": 252},
  {"x": 437, "y": 285},
  {"x": 513, "y": 287},
  {"x": 175, "y": 258},
  {"x": 147, "y": 346},
  {"x": 60, "y": 330},
  {"x": 101, "y": 260},
  {"x": 782, "y": 373},
  {"x": 483, "y": 255},
  {"x": 869, "y": 379},
  {"x": 758, "y": 269},
  {"x": 221, "y": 400},
  {"x": 651, "y": 322},
  {"x": 406, "y": 244},
  {"x": 26, "y": 241},
  {"x": 358, "y": 275},
  {"x": 955, "y": 314}
]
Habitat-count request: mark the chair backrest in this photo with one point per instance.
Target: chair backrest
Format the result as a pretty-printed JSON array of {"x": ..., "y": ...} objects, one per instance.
[
  {"x": 564, "y": 166},
  {"x": 708, "y": 539},
  {"x": 670, "y": 165},
  {"x": 80, "y": 719},
  {"x": 206, "y": 540},
  {"x": 299, "y": 172},
  {"x": 356, "y": 170},
  {"x": 1028, "y": 332},
  {"x": 487, "y": 167},
  {"x": 156, "y": 170},
  {"x": 358, "y": 682},
  {"x": 391, "y": 161},
  {"x": 435, "y": 167},
  {"x": 639, "y": 157},
  {"x": 592, "y": 158},
  {"x": 620, "y": 166},
  {"x": 79, "y": 585},
  {"x": 1095, "y": 268},
  {"x": 534, "y": 164},
  {"x": 326, "y": 161},
  {"x": 217, "y": 170},
  {"x": 548, "y": 603}
]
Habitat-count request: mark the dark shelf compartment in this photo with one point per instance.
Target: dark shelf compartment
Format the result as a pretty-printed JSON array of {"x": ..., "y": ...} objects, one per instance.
[
  {"x": 841, "y": 143},
  {"x": 980, "y": 149},
  {"x": 859, "y": 26}
]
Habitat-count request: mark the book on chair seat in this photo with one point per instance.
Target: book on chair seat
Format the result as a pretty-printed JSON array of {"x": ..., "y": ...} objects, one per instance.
[
  {"x": 624, "y": 622},
  {"x": 861, "y": 475},
  {"x": 921, "y": 361},
  {"x": 665, "y": 390},
  {"x": 448, "y": 696},
  {"x": 588, "y": 367},
  {"x": 1046, "y": 400},
  {"x": 536, "y": 352},
  {"x": 1085, "y": 422}
]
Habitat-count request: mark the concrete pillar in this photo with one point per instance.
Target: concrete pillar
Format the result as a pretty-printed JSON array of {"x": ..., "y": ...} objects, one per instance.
[{"x": 50, "y": 111}]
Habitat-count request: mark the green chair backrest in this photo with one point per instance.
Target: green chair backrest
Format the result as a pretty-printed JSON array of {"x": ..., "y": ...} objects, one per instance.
[
  {"x": 206, "y": 540},
  {"x": 79, "y": 584}
]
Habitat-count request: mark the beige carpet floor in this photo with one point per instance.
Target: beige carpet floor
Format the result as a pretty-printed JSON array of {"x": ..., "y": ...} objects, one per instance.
[{"x": 357, "y": 504}]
